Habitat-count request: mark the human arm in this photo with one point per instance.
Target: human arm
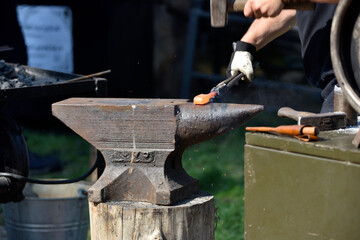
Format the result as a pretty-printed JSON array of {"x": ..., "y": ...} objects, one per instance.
[
  {"x": 260, "y": 33},
  {"x": 271, "y": 8},
  {"x": 264, "y": 30}
]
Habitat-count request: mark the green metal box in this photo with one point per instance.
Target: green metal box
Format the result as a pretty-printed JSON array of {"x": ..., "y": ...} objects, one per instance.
[{"x": 302, "y": 190}]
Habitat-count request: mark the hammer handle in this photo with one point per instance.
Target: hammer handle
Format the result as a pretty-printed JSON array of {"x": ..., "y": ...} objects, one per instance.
[
  {"x": 300, "y": 6},
  {"x": 238, "y": 5},
  {"x": 293, "y": 114}
]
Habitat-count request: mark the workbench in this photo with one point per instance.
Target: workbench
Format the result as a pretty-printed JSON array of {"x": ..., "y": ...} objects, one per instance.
[{"x": 302, "y": 190}]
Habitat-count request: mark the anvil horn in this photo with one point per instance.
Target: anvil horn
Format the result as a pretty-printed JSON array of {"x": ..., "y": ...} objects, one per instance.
[{"x": 198, "y": 123}]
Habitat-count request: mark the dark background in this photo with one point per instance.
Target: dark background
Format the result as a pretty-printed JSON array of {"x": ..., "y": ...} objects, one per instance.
[
  {"x": 107, "y": 34},
  {"x": 145, "y": 43}
]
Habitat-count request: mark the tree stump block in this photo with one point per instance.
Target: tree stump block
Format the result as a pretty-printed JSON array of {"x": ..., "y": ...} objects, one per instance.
[{"x": 191, "y": 219}]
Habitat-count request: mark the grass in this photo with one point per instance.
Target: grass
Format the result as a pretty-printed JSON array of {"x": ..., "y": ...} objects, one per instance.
[
  {"x": 72, "y": 150},
  {"x": 218, "y": 164}
]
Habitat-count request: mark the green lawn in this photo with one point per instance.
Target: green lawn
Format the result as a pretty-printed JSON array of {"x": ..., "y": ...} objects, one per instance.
[
  {"x": 72, "y": 150},
  {"x": 218, "y": 164}
]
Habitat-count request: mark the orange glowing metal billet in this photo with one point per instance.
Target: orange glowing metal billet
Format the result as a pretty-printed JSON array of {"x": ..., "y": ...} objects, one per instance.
[{"x": 203, "y": 99}]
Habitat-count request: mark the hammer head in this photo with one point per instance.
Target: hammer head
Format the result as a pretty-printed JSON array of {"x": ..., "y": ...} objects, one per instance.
[
  {"x": 218, "y": 13},
  {"x": 325, "y": 121}
]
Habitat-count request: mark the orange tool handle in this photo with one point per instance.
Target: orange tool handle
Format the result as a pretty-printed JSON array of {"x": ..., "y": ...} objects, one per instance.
[
  {"x": 293, "y": 130},
  {"x": 202, "y": 99}
]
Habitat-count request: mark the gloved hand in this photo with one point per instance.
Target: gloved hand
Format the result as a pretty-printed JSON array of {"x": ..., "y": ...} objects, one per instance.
[{"x": 241, "y": 60}]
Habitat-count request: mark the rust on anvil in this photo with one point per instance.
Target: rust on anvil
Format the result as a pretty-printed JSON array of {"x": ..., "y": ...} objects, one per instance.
[{"x": 142, "y": 141}]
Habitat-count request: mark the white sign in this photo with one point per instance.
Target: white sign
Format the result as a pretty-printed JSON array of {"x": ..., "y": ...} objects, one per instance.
[{"x": 48, "y": 37}]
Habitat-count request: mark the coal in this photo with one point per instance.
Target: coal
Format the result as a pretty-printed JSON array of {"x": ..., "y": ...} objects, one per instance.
[{"x": 14, "y": 76}]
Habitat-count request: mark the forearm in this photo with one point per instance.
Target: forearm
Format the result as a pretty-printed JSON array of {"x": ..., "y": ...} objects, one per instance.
[{"x": 264, "y": 30}]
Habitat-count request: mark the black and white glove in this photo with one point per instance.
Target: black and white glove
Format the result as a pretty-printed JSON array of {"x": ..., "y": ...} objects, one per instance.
[{"x": 241, "y": 60}]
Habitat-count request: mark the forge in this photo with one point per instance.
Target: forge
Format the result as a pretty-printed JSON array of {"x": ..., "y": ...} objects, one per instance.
[
  {"x": 142, "y": 141},
  {"x": 25, "y": 83}
]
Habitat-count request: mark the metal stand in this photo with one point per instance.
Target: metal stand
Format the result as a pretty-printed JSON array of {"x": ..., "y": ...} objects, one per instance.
[{"x": 356, "y": 141}]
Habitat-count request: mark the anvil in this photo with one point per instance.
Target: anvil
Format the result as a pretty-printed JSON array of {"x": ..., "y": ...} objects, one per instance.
[{"x": 142, "y": 141}]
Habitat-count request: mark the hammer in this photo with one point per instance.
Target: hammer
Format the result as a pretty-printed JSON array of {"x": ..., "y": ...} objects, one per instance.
[
  {"x": 324, "y": 121},
  {"x": 219, "y": 9}
]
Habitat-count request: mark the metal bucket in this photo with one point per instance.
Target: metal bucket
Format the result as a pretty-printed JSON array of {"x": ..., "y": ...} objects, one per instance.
[{"x": 49, "y": 212}]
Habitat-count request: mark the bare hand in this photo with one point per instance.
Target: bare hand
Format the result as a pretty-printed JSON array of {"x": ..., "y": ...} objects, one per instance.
[{"x": 263, "y": 8}]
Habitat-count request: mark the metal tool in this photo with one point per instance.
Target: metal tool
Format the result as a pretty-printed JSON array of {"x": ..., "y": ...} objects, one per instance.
[
  {"x": 219, "y": 9},
  {"x": 142, "y": 141},
  {"x": 85, "y": 77},
  {"x": 356, "y": 141},
  {"x": 324, "y": 121},
  {"x": 6, "y": 48},
  {"x": 45, "y": 84},
  {"x": 342, "y": 105},
  {"x": 302, "y": 132},
  {"x": 219, "y": 90}
]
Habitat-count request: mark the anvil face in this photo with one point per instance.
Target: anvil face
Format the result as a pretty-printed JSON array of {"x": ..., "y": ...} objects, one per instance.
[{"x": 142, "y": 141}]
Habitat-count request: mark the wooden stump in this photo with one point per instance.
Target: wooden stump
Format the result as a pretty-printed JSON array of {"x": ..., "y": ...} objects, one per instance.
[{"x": 191, "y": 219}]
